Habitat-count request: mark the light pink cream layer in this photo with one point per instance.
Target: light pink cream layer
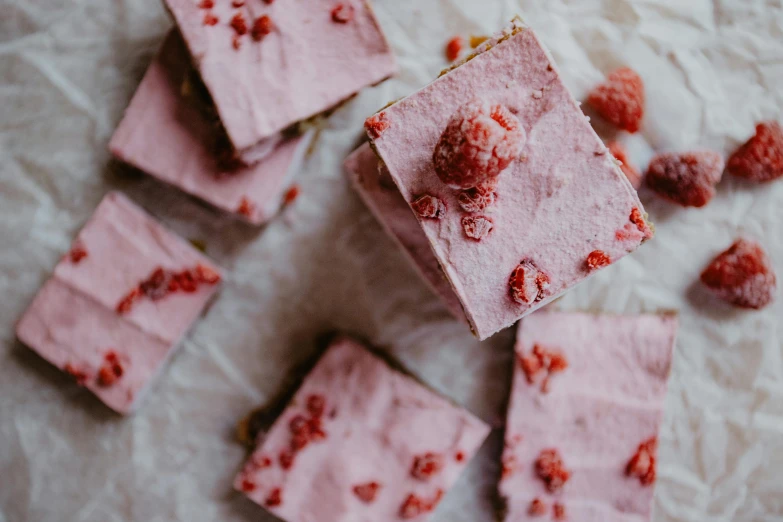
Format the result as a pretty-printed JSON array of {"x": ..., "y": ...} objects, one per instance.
[
  {"x": 596, "y": 413},
  {"x": 73, "y": 321},
  {"x": 376, "y": 426},
  {"x": 165, "y": 133},
  {"x": 563, "y": 199},
  {"x": 307, "y": 64}
]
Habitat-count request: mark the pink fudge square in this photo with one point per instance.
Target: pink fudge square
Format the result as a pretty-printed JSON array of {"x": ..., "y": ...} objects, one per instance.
[
  {"x": 169, "y": 135},
  {"x": 374, "y": 445},
  {"x": 596, "y": 413},
  {"x": 376, "y": 188},
  {"x": 311, "y": 61},
  {"x": 564, "y": 198},
  {"x": 74, "y": 322}
]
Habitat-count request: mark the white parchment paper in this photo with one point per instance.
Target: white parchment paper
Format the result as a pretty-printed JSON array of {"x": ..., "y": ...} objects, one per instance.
[{"x": 67, "y": 71}]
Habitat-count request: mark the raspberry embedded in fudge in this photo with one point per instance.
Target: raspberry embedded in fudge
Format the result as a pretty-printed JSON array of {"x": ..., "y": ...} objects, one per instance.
[
  {"x": 398, "y": 472},
  {"x": 743, "y": 275}
]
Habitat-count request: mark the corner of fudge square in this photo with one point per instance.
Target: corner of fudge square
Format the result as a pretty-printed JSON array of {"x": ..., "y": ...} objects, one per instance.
[
  {"x": 360, "y": 440},
  {"x": 118, "y": 303},
  {"x": 530, "y": 202}
]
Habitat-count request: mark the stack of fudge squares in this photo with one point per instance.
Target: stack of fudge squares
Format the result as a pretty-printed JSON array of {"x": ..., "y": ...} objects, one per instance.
[{"x": 494, "y": 184}]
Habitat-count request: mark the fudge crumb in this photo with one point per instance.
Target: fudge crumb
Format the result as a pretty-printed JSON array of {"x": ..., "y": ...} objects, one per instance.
[
  {"x": 550, "y": 469},
  {"x": 620, "y": 100},
  {"x": 246, "y": 207},
  {"x": 342, "y": 13},
  {"x": 428, "y": 206},
  {"x": 761, "y": 158},
  {"x": 642, "y": 464},
  {"x": 454, "y": 48},
  {"x": 426, "y": 466},
  {"x": 210, "y": 19},
  {"x": 597, "y": 259},
  {"x": 367, "y": 492},
  {"x": 743, "y": 276},
  {"x": 77, "y": 253},
  {"x": 275, "y": 498},
  {"x": 527, "y": 283},
  {"x": 261, "y": 27},
  {"x": 559, "y": 511},
  {"x": 537, "y": 508},
  {"x": 477, "y": 227},
  {"x": 79, "y": 375},
  {"x": 375, "y": 125}
]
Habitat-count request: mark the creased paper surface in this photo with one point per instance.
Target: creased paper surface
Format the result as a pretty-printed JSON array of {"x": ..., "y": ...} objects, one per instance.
[{"x": 68, "y": 69}]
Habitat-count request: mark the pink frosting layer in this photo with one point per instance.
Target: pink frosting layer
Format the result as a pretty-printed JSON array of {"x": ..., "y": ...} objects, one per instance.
[
  {"x": 308, "y": 64},
  {"x": 377, "y": 421},
  {"x": 376, "y": 188},
  {"x": 596, "y": 414},
  {"x": 73, "y": 319},
  {"x": 168, "y": 136},
  {"x": 565, "y": 197}
]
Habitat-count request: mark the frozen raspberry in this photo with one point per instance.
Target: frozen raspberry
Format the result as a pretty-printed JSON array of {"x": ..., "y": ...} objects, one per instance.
[
  {"x": 376, "y": 124},
  {"x": 642, "y": 464},
  {"x": 239, "y": 24},
  {"x": 480, "y": 141},
  {"x": 528, "y": 284},
  {"x": 367, "y": 492},
  {"x": 427, "y": 465},
  {"x": 761, "y": 158},
  {"x": 429, "y": 207},
  {"x": 477, "y": 227},
  {"x": 687, "y": 178},
  {"x": 550, "y": 469},
  {"x": 454, "y": 48},
  {"x": 598, "y": 259},
  {"x": 742, "y": 275},
  {"x": 620, "y": 100},
  {"x": 342, "y": 13},
  {"x": 479, "y": 197},
  {"x": 617, "y": 150},
  {"x": 261, "y": 27},
  {"x": 559, "y": 511},
  {"x": 537, "y": 508},
  {"x": 275, "y": 498}
]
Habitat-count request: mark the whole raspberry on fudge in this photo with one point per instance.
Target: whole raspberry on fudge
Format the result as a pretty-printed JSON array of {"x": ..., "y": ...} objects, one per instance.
[
  {"x": 480, "y": 141},
  {"x": 620, "y": 99},
  {"x": 687, "y": 178},
  {"x": 742, "y": 275},
  {"x": 761, "y": 158}
]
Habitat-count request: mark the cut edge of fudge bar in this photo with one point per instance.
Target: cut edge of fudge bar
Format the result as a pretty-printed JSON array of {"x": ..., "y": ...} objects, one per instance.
[
  {"x": 168, "y": 132},
  {"x": 114, "y": 332},
  {"x": 357, "y": 397},
  {"x": 398, "y": 222},
  {"x": 581, "y": 438},
  {"x": 529, "y": 190}
]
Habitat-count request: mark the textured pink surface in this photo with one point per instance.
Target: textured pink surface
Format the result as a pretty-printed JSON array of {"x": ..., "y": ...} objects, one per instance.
[
  {"x": 72, "y": 320},
  {"x": 376, "y": 188},
  {"x": 377, "y": 421},
  {"x": 308, "y": 63},
  {"x": 564, "y": 199},
  {"x": 162, "y": 120},
  {"x": 596, "y": 413}
]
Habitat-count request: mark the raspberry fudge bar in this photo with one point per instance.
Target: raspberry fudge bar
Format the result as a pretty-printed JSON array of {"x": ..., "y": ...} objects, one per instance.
[
  {"x": 118, "y": 303},
  {"x": 269, "y": 65},
  {"x": 376, "y": 188},
  {"x": 172, "y": 133},
  {"x": 518, "y": 197},
  {"x": 360, "y": 441},
  {"x": 583, "y": 420}
]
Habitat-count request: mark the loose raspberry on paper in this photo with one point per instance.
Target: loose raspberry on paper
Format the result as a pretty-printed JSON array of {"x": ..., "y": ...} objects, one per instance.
[
  {"x": 480, "y": 141},
  {"x": 761, "y": 158},
  {"x": 528, "y": 284},
  {"x": 642, "y": 464},
  {"x": 597, "y": 259},
  {"x": 550, "y": 469},
  {"x": 742, "y": 275},
  {"x": 477, "y": 227},
  {"x": 479, "y": 197},
  {"x": 687, "y": 178},
  {"x": 429, "y": 207},
  {"x": 454, "y": 48},
  {"x": 620, "y": 100},
  {"x": 618, "y": 150}
]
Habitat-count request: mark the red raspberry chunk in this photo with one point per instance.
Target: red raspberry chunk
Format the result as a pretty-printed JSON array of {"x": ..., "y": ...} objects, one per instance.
[
  {"x": 342, "y": 13},
  {"x": 688, "y": 178},
  {"x": 237, "y": 3},
  {"x": 480, "y": 141},
  {"x": 618, "y": 150},
  {"x": 620, "y": 100},
  {"x": 479, "y": 197},
  {"x": 550, "y": 469},
  {"x": 210, "y": 19},
  {"x": 559, "y": 511},
  {"x": 156, "y": 286},
  {"x": 206, "y": 4},
  {"x": 79, "y": 375},
  {"x": 376, "y": 124},
  {"x": 261, "y": 27},
  {"x": 367, "y": 492},
  {"x": 412, "y": 507},
  {"x": 641, "y": 224},
  {"x": 537, "y": 508},
  {"x": 454, "y": 48},
  {"x": 761, "y": 158},
  {"x": 275, "y": 498},
  {"x": 111, "y": 370},
  {"x": 598, "y": 259},
  {"x": 316, "y": 404},
  {"x": 246, "y": 207},
  {"x": 642, "y": 464},
  {"x": 248, "y": 485},
  {"x": 429, "y": 207},
  {"x": 528, "y": 284},
  {"x": 77, "y": 253},
  {"x": 426, "y": 466},
  {"x": 286, "y": 459},
  {"x": 742, "y": 275},
  {"x": 239, "y": 24},
  {"x": 477, "y": 227}
]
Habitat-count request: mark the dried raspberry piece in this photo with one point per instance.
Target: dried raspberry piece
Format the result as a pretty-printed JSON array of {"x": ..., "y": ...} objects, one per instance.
[
  {"x": 454, "y": 48},
  {"x": 205, "y": 274},
  {"x": 367, "y": 492},
  {"x": 617, "y": 150},
  {"x": 620, "y": 100},
  {"x": 530, "y": 365},
  {"x": 479, "y": 197},
  {"x": 286, "y": 459},
  {"x": 477, "y": 227},
  {"x": 743, "y": 275},
  {"x": 125, "y": 305},
  {"x": 291, "y": 194},
  {"x": 459, "y": 456},
  {"x": 480, "y": 141},
  {"x": 641, "y": 224},
  {"x": 206, "y": 4},
  {"x": 246, "y": 207},
  {"x": 316, "y": 404},
  {"x": 239, "y": 24},
  {"x": 528, "y": 284},
  {"x": 79, "y": 375},
  {"x": 77, "y": 253},
  {"x": 412, "y": 507},
  {"x": 559, "y": 511},
  {"x": 557, "y": 363},
  {"x": 597, "y": 259},
  {"x": 642, "y": 464},
  {"x": 687, "y": 178},
  {"x": 342, "y": 13},
  {"x": 429, "y": 207},
  {"x": 210, "y": 19},
  {"x": 537, "y": 508},
  {"x": 761, "y": 158},
  {"x": 550, "y": 469},
  {"x": 275, "y": 498},
  {"x": 156, "y": 286},
  {"x": 248, "y": 485},
  {"x": 262, "y": 27},
  {"x": 427, "y": 465},
  {"x": 375, "y": 125}
]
